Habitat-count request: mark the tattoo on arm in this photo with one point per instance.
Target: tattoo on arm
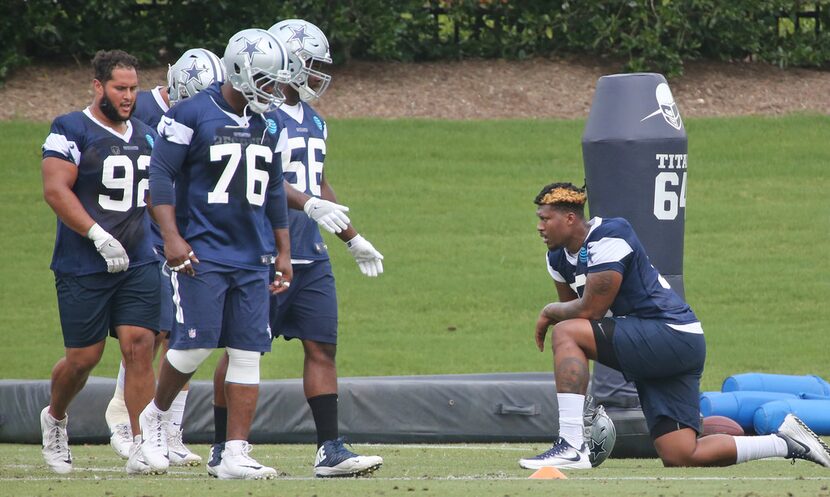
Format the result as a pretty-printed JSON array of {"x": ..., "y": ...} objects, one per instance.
[
  {"x": 572, "y": 376},
  {"x": 602, "y": 283}
]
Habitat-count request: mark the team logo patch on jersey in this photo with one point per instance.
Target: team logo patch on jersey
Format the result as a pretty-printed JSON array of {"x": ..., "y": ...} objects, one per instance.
[
  {"x": 150, "y": 140},
  {"x": 272, "y": 126},
  {"x": 583, "y": 255},
  {"x": 318, "y": 123},
  {"x": 115, "y": 150},
  {"x": 191, "y": 332}
]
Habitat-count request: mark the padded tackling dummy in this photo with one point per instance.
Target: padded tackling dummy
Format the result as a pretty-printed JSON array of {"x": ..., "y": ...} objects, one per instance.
[
  {"x": 739, "y": 406},
  {"x": 765, "y": 382},
  {"x": 634, "y": 149},
  {"x": 814, "y": 413}
]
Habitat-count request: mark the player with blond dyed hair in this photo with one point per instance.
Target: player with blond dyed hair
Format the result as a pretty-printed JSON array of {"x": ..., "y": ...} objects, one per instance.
[{"x": 615, "y": 308}]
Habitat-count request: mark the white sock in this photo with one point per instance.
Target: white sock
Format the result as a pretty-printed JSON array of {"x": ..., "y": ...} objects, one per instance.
[
  {"x": 119, "y": 382},
  {"x": 234, "y": 446},
  {"x": 177, "y": 409},
  {"x": 752, "y": 448},
  {"x": 570, "y": 418}
]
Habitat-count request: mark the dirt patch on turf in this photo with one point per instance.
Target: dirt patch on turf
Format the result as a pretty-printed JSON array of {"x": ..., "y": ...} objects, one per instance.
[{"x": 473, "y": 89}]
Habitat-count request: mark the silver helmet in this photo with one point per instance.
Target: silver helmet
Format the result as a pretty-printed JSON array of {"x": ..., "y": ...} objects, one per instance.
[
  {"x": 600, "y": 433},
  {"x": 256, "y": 63},
  {"x": 195, "y": 70},
  {"x": 309, "y": 43}
]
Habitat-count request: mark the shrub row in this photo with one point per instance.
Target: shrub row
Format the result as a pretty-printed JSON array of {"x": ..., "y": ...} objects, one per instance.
[{"x": 643, "y": 34}]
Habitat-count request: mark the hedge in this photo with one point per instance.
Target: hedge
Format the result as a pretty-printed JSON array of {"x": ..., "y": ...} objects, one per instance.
[{"x": 654, "y": 35}]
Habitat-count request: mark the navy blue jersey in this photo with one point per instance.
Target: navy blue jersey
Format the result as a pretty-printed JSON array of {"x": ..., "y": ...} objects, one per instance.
[
  {"x": 611, "y": 244},
  {"x": 229, "y": 192},
  {"x": 302, "y": 146},
  {"x": 111, "y": 185},
  {"x": 150, "y": 106}
]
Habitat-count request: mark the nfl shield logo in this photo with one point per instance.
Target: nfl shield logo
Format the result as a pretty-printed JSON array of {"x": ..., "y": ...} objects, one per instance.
[{"x": 191, "y": 332}]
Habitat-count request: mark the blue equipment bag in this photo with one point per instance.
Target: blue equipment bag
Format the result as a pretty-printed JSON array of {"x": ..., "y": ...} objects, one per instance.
[
  {"x": 739, "y": 406},
  {"x": 765, "y": 382},
  {"x": 814, "y": 413}
]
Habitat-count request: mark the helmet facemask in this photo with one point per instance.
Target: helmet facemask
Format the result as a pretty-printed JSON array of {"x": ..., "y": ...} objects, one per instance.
[
  {"x": 256, "y": 70},
  {"x": 260, "y": 87},
  {"x": 311, "y": 83},
  {"x": 309, "y": 44}
]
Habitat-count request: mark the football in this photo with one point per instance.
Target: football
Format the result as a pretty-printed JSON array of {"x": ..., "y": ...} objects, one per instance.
[{"x": 721, "y": 424}]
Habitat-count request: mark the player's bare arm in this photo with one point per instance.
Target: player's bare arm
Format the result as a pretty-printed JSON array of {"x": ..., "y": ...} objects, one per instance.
[
  {"x": 295, "y": 198},
  {"x": 327, "y": 192},
  {"x": 565, "y": 292},
  {"x": 59, "y": 177},
  {"x": 179, "y": 254},
  {"x": 282, "y": 264},
  {"x": 600, "y": 290}
]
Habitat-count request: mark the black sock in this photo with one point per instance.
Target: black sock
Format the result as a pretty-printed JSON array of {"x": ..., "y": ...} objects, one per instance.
[
  {"x": 324, "y": 410},
  {"x": 220, "y": 424}
]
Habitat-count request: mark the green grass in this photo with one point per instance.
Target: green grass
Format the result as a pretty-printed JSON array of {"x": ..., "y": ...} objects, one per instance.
[
  {"x": 412, "y": 470},
  {"x": 449, "y": 204}
]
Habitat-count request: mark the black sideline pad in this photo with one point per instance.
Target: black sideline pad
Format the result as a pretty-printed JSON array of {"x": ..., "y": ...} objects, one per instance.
[{"x": 502, "y": 407}]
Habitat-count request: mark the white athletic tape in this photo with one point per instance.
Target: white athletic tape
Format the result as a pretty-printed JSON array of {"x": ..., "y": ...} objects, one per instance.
[
  {"x": 186, "y": 361},
  {"x": 243, "y": 366}
]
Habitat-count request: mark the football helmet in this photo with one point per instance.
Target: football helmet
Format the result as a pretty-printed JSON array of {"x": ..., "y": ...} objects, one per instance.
[
  {"x": 309, "y": 43},
  {"x": 195, "y": 70},
  {"x": 600, "y": 433},
  {"x": 255, "y": 63}
]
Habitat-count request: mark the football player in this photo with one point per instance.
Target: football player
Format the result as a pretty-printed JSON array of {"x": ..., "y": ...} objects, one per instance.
[
  {"x": 95, "y": 179},
  {"x": 616, "y": 308},
  {"x": 218, "y": 197},
  {"x": 195, "y": 70},
  {"x": 308, "y": 310}
]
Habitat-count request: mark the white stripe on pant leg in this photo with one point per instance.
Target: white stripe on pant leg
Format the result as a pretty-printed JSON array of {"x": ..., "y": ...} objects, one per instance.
[{"x": 177, "y": 298}]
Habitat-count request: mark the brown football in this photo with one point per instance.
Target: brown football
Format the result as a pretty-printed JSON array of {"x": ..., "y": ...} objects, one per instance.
[{"x": 721, "y": 424}]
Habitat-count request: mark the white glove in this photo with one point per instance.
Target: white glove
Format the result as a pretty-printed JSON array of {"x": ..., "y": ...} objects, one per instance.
[
  {"x": 329, "y": 215},
  {"x": 110, "y": 249},
  {"x": 367, "y": 257}
]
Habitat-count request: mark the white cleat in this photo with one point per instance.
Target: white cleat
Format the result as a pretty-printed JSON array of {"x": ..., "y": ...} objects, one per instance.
[
  {"x": 121, "y": 440},
  {"x": 562, "y": 455},
  {"x": 136, "y": 465},
  {"x": 802, "y": 443},
  {"x": 55, "y": 451},
  {"x": 238, "y": 465},
  {"x": 335, "y": 460},
  {"x": 177, "y": 451},
  {"x": 154, "y": 438},
  {"x": 215, "y": 458}
]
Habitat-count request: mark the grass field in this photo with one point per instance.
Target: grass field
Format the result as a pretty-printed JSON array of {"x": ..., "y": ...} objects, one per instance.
[
  {"x": 450, "y": 206},
  {"x": 415, "y": 470}
]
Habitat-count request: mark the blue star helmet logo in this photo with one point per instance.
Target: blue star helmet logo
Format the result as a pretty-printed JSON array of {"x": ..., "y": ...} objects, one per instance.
[
  {"x": 583, "y": 255},
  {"x": 150, "y": 140},
  {"x": 299, "y": 35},
  {"x": 250, "y": 49},
  {"x": 194, "y": 72},
  {"x": 318, "y": 123},
  {"x": 272, "y": 126}
]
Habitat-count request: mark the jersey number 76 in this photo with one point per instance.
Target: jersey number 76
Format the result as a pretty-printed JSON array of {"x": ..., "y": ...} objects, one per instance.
[{"x": 256, "y": 180}]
